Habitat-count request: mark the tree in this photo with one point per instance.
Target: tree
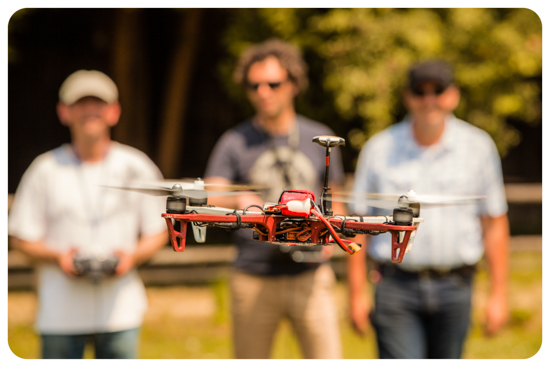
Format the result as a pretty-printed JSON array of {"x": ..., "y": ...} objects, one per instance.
[{"x": 359, "y": 58}]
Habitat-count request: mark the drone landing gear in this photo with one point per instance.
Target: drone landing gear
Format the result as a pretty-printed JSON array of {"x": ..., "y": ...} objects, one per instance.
[
  {"x": 399, "y": 245},
  {"x": 278, "y": 229},
  {"x": 177, "y": 237}
]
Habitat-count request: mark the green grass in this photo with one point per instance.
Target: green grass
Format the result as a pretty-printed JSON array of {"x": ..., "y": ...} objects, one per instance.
[{"x": 207, "y": 335}]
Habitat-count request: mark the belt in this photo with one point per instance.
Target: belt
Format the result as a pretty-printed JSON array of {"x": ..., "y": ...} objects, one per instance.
[{"x": 389, "y": 269}]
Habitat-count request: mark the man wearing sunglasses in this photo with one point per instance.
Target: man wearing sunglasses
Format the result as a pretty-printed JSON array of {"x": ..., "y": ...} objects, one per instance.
[
  {"x": 422, "y": 305},
  {"x": 274, "y": 149}
]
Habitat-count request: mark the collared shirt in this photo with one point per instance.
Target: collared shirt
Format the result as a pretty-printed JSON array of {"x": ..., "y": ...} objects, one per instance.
[
  {"x": 58, "y": 202},
  {"x": 465, "y": 161}
]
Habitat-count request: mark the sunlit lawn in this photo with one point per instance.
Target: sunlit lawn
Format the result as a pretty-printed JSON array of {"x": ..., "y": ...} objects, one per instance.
[{"x": 194, "y": 322}]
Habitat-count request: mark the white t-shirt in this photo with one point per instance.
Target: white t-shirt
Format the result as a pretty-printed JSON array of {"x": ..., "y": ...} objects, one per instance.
[{"x": 58, "y": 202}]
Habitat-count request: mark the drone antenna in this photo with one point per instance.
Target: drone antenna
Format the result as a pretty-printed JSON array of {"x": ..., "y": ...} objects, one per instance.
[{"x": 328, "y": 142}]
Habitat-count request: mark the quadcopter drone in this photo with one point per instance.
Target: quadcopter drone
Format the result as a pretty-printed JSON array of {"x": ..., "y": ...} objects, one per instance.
[{"x": 295, "y": 220}]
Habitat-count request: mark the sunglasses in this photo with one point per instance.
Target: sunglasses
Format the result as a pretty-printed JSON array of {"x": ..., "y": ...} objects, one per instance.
[
  {"x": 421, "y": 92},
  {"x": 272, "y": 85}
]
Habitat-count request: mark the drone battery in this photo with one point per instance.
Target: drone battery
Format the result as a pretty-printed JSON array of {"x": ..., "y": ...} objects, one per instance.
[
  {"x": 299, "y": 195},
  {"x": 297, "y": 201}
]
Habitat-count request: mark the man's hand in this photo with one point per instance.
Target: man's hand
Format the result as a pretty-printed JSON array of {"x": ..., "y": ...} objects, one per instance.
[
  {"x": 496, "y": 314},
  {"x": 145, "y": 249},
  {"x": 357, "y": 281},
  {"x": 126, "y": 261},
  {"x": 496, "y": 237},
  {"x": 66, "y": 262},
  {"x": 327, "y": 251},
  {"x": 38, "y": 251},
  {"x": 359, "y": 313}
]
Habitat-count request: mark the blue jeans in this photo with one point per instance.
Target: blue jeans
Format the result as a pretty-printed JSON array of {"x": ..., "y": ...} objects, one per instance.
[
  {"x": 421, "y": 316},
  {"x": 115, "y": 345}
]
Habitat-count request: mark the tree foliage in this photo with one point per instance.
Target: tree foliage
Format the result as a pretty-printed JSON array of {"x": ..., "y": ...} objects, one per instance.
[{"x": 358, "y": 60}]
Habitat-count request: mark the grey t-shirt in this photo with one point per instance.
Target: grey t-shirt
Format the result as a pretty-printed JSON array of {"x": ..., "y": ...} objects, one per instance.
[{"x": 246, "y": 154}]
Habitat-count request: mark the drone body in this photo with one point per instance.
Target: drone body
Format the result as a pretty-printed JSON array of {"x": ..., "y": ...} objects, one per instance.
[
  {"x": 291, "y": 230},
  {"x": 296, "y": 219}
]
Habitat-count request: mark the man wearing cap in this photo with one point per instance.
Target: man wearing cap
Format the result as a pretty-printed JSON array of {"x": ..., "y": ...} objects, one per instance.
[
  {"x": 60, "y": 214},
  {"x": 422, "y": 305}
]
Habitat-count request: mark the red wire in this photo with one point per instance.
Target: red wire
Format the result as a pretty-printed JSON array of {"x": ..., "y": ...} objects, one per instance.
[{"x": 339, "y": 241}]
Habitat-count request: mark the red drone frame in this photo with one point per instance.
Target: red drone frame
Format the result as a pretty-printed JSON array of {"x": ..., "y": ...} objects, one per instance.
[
  {"x": 313, "y": 230},
  {"x": 294, "y": 220}
]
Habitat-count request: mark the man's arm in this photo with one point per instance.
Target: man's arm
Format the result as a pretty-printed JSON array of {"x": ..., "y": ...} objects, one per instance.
[
  {"x": 338, "y": 208},
  {"x": 496, "y": 236},
  {"x": 38, "y": 251},
  {"x": 357, "y": 283},
  {"x": 146, "y": 248}
]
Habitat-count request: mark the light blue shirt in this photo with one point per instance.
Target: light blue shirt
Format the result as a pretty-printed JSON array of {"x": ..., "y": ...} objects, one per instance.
[{"x": 465, "y": 161}]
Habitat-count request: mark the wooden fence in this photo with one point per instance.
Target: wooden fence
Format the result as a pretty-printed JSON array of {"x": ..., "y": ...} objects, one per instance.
[{"x": 206, "y": 263}]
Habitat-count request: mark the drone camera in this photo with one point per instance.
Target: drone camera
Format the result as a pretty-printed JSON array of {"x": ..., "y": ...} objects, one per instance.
[{"x": 403, "y": 216}]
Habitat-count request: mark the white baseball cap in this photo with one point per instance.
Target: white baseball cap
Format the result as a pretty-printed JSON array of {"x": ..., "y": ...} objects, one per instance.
[{"x": 88, "y": 83}]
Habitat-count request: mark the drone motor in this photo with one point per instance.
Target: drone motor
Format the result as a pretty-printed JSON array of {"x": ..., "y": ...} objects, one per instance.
[
  {"x": 175, "y": 205},
  {"x": 403, "y": 216}
]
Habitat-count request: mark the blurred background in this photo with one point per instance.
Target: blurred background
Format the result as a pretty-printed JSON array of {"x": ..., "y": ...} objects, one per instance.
[{"x": 173, "y": 69}]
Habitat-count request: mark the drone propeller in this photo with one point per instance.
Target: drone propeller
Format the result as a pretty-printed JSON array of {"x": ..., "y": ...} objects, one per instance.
[
  {"x": 376, "y": 203},
  {"x": 388, "y": 201},
  {"x": 191, "y": 189},
  {"x": 199, "y": 184}
]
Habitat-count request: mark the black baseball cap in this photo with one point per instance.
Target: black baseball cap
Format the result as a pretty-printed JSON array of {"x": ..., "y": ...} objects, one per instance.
[{"x": 435, "y": 71}]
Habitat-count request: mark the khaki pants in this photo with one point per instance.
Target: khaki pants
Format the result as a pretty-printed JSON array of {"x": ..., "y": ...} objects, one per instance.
[{"x": 307, "y": 300}]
